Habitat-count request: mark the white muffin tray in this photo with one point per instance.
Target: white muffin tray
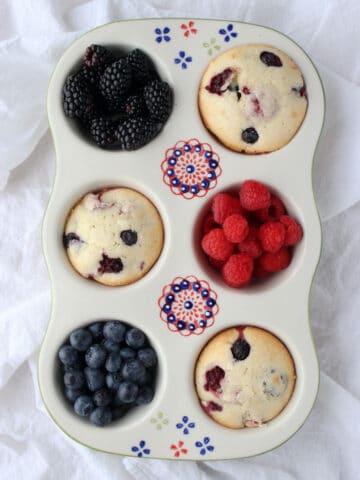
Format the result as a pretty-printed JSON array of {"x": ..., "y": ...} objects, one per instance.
[{"x": 174, "y": 425}]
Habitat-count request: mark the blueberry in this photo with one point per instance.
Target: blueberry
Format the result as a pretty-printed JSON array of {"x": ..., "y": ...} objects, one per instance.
[
  {"x": 83, "y": 405},
  {"x": 240, "y": 349},
  {"x": 70, "y": 238},
  {"x": 114, "y": 331},
  {"x": 102, "y": 397},
  {"x": 95, "y": 378},
  {"x": 146, "y": 394},
  {"x": 113, "y": 380},
  {"x": 250, "y": 135},
  {"x": 74, "y": 380},
  {"x": 127, "y": 392},
  {"x": 81, "y": 339},
  {"x": 77, "y": 366},
  {"x": 135, "y": 338},
  {"x": 111, "y": 346},
  {"x": 95, "y": 356},
  {"x": 72, "y": 394},
  {"x": 133, "y": 370},
  {"x": 118, "y": 412},
  {"x": 96, "y": 330},
  {"x": 113, "y": 362},
  {"x": 147, "y": 357},
  {"x": 101, "y": 416},
  {"x": 129, "y": 237},
  {"x": 127, "y": 352},
  {"x": 145, "y": 379},
  {"x": 68, "y": 355},
  {"x": 270, "y": 59}
]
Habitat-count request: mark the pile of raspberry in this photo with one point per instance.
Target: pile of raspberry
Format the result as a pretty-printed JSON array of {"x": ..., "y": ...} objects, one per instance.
[{"x": 249, "y": 236}]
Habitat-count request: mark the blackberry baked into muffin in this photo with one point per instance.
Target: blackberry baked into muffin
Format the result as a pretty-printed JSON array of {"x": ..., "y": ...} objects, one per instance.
[
  {"x": 114, "y": 236},
  {"x": 253, "y": 98},
  {"x": 244, "y": 377}
]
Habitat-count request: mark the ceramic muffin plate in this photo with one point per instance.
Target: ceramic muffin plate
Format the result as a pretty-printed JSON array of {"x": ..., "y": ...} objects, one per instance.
[{"x": 174, "y": 425}]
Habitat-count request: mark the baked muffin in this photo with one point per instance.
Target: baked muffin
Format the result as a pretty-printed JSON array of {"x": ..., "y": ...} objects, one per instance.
[
  {"x": 114, "y": 236},
  {"x": 253, "y": 98},
  {"x": 244, "y": 377}
]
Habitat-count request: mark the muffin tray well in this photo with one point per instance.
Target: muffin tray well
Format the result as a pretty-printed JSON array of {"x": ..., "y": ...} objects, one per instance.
[{"x": 174, "y": 425}]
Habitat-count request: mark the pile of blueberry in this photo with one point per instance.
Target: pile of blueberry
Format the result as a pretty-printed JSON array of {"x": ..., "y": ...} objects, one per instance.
[{"x": 107, "y": 368}]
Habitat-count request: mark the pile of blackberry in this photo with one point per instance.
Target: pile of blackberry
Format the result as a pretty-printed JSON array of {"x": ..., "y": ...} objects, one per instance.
[
  {"x": 120, "y": 102},
  {"x": 107, "y": 368}
]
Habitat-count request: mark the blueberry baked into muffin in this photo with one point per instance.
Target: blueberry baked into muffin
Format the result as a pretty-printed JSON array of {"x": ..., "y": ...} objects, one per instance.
[
  {"x": 244, "y": 377},
  {"x": 114, "y": 236},
  {"x": 253, "y": 98}
]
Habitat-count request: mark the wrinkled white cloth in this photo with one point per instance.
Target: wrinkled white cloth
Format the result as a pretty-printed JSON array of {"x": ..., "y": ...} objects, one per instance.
[{"x": 33, "y": 35}]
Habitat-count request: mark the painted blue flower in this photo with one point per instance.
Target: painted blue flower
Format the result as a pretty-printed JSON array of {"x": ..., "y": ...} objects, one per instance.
[
  {"x": 204, "y": 446},
  {"x": 185, "y": 425},
  {"x": 162, "y": 34},
  {"x": 182, "y": 59},
  {"x": 140, "y": 450},
  {"x": 228, "y": 32}
]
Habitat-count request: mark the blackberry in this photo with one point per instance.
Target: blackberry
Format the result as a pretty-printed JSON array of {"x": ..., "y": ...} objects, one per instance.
[
  {"x": 98, "y": 58},
  {"x": 90, "y": 76},
  {"x": 77, "y": 98},
  {"x": 158, "y": 99},
  {"x": 134, "y": 106},
  {"x": 141, "y": 67},
  {"x": 115, "y": 82},
  {"x": 134, "y": 133},
  {"x": 102, "y": 130}
]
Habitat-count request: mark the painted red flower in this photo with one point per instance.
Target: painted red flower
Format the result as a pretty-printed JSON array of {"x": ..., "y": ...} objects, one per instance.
[
  {"x": 179, "y": 449},
  {"x": 189, "y": 28}
]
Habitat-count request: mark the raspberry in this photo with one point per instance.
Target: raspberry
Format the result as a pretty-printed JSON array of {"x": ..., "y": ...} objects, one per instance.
[
  {"x": 216, "y": 245},
  {"x": 235, "y": 228},
  {"x": 251, "y": 247},
  {"x": 272, "y": 236},
  {"x": 294, "y": 231},
  {"x": 259, "y": 271},
  {"x": 273, "y": 212},
  {"x": 216, "y": 263},
  {"x": 273, "y": 262},
  {"x": 254, "y": 195},
  {"x": 237, "y": 271},
  {"x": 223, "y": 206},
  {"x": 208, "y": 223}
]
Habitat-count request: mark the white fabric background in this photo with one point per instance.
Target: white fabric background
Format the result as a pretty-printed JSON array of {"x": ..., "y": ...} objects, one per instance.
[{"x": 33, "y": 35}]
